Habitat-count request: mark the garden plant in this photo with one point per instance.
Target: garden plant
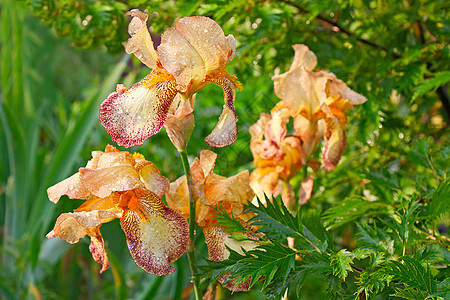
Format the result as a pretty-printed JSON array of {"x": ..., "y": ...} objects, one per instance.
[{"x": 323, "y": 174}]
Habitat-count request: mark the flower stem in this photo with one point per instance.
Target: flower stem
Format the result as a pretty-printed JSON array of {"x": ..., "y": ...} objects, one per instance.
[{"x": 191, "y": 251}]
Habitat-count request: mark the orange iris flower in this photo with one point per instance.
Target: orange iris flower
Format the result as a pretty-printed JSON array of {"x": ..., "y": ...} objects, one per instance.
[
  {"x": 192, "y": 54},
  {"x": 118, "y": 185},
  {"x": 210, "y": 189}
]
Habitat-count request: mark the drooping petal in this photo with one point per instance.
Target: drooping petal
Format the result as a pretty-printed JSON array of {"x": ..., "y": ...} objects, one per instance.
[
  {"x": 224, "y": 133},
  {"x": 306, "y": 188},
  {"x": 131, "y": 116},
  {"x": 336, "y": 142},
  {"x": 193, "y": 48},
  {"x": 140, "y": 43},
  {"x": 156, "y": 234},
  {"x": 217, "y": 241},
  {"x": 102, "y": 182},
  {"x": 97, "y": 249},
  {"x": 180, "y": 122},
  {"x": 276, "y": 127},
  {"x": 178, "y": 195},
  {"x": 207, "y": 161},
  {"x": 71, "y": 187}
]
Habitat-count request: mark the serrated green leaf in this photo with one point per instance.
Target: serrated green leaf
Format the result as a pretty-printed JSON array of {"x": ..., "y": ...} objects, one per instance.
[
  {"x": 275, "y": 220},
  {"x": 375, "y": 238},
  {"x": 341, "y": 263},
  {"x": 432, "y": 84},
  {"x": 411, "y": 273},
  {"x": 410, "y": 294},
  {"x": 440, "y": 203}
]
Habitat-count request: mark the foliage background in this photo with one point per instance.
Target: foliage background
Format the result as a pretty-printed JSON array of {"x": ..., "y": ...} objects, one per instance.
[{"x": 60, "y": 59}]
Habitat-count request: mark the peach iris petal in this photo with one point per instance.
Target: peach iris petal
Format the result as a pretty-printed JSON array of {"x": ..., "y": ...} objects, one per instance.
[
  {"x": 131, "y": 116},
  {"x": 193, "y": 48},
  {"x": 103, "y": 181},
  {"x": 97, "y": 249},
  {"x": 180, "y": 122},
  {"x": 71, "y": 187},
  {"x": 152, "y": 178},
  {"x": 140, "y": 43},
  {"x": 156, "y": 235}
]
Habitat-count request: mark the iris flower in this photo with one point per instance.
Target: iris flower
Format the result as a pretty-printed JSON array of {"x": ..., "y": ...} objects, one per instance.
[
  {"x": 192, "y": 54},
  {"x": 118, "y": 185},
  {"x": 277, "y": 156},
  {"x": 318, "y": 102},
  {"x": 210, "y": 189}
]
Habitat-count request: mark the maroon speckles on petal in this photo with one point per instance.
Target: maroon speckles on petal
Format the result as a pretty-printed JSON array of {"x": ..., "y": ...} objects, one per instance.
[
  {"x": 156, "y": 234},
  {"x": 131, "y": 116}
]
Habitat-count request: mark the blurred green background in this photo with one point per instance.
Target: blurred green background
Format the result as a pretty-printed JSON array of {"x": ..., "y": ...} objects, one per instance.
[{"x": 60, "y": 59}]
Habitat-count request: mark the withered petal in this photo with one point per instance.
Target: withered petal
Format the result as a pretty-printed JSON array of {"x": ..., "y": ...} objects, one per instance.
[
  {"x": 71, "y": 187},
  {"x": 140, "y": 43},
  {"x": 336, "y": 142},
  {"x": 97, "y": 249},
  {"x": 156, "y": 234},
  {"x": 306, "y": 188},
  {"x": 102, "y": 182},
  {"x": 133, "y": 115}
]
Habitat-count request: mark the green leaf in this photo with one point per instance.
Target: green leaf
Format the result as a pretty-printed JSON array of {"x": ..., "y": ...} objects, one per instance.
[
  {"x": 275, "y": 220},
  {"x": 440, "y": 203},
  {"x": 431, "y": 84},
  {"x": 410, "y": 294},
  {"x": 293, "y": 282},
  {"x": 411, "y": 273},
  {"x": 353, "y": 209},
  {"x": 375, "y": 238},
  {"x": 341, "y": 263}
]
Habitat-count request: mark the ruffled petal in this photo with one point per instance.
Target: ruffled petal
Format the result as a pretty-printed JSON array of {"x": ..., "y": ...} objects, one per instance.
[
  {"x": 102, "y": 182},
  {"x": 131, "y": 116},
  {"x": 303, "y": 57},
  {"x": 207, "y": 161},
  {"x": 152, "y": 178},
  {"x": 140, "y": 43},
  {"x": 336, "y": 142},
  {"x": 71, "y": 187},
  {"x": 234, "y": 190},
  {"x": 178, "y": 196},
  {"x": 224, "y": 133},
  {"x": 193, "y": 48},
  {"x": 156, "y": 235},
  {"x": 71, "y": 227},
  {"x": 306, "y": 188}
]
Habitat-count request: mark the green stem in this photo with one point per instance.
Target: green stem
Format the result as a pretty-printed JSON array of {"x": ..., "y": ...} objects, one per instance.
[{"x": 191, "y": 251}]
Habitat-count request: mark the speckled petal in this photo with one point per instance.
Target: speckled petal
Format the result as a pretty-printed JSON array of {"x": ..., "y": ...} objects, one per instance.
[
  {"x": 71, "y": 187},
  {"x": 193, "y": 48},
  {"x": 156, "y": 235},
  {"x": 102, "y": 182},
  {"x": 224, "y": 133},
  {"x": 97, "y": 248},
  {"x": 131, "y": 116},
  {"x": 217, "y": 241},
  {"x": 140, "y": 43}
]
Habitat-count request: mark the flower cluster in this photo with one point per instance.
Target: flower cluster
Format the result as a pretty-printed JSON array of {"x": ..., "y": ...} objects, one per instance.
[
  {"x": 317, "y": 102},
  {"x": 192, "y": 54},
  {"x": 118, "y": 185}
]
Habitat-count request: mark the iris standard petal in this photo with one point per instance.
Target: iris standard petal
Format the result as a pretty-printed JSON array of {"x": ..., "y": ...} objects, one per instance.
[
  {"x": 156, "y": 234},
  {"x": 131, "y": 116},
  {"x": 103, "y": 181},
  {"x": 140, "y": 43},
  {"x": 193, "y": 48},
  {"x": 152, "y": 178}
]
